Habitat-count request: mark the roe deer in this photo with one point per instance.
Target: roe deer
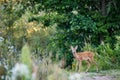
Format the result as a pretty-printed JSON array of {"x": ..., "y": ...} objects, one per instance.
[{"x": 87, "y": 56}]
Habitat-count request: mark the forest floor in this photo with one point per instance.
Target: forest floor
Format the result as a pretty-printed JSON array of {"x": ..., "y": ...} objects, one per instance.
[{"x": 102, "y": 75}]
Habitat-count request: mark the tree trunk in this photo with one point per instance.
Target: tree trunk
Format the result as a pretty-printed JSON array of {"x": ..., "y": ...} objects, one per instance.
[{"x": 103, "y": 7}]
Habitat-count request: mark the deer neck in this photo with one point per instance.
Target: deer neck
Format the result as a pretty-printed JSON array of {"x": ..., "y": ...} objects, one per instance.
[{"x": 76, "y": 55}]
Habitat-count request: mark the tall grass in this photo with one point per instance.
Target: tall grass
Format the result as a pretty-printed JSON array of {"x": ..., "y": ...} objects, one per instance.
[
  {"x": 25, "y": 56},
  {"x": 47, "y": 69},
  {"x": 106, "y": 55}
]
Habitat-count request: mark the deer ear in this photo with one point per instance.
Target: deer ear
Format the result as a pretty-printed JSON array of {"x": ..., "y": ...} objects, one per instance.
[{"x": 76, "y": 46}]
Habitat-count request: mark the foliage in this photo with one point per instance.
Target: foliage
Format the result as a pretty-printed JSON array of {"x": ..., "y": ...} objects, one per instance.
[
  {"x": 77, "y": 34},
  {"x": 117, "y": 51},
  {"x": 55, "y": 25},
  {"x": 25, "y": 56},
  {"x": 48, "y": 70},
  {"x": 105, "y": 53}
]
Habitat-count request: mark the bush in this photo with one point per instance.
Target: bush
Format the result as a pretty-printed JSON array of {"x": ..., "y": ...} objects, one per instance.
[
  {"x": 105, "y": 55},
  {"x": 116, "y": 59}
]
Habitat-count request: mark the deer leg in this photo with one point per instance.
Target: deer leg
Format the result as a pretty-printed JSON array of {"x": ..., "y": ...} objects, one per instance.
[
  {"x": 77, "y": 64},
  {"x": 92, "y": 60},
  {"x": 80, "y": 64},
  {"x": 88, "y": 65}
]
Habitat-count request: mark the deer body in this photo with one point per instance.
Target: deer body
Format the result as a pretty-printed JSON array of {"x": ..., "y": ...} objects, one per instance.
[
  {"x": 87, "y": 56},
  {"x": 84, "y": 55}
]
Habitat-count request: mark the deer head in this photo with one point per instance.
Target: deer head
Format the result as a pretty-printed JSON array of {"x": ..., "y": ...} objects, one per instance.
[{"x": 74, "y": 49}]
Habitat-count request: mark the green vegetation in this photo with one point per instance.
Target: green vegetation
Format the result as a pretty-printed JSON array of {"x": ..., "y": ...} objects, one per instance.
[{"x": 50, "y": 27}]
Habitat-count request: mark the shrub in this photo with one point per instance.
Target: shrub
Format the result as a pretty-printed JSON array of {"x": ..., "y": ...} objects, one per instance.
[
  {"x": 50, "y": 71},
  {"x": 106, "y": 55},
  {"x": 25, "y": 56},
  {"x": 116, "y": 59}
]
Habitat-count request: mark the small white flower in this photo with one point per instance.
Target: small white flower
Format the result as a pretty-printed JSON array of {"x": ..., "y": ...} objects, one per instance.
[
  {"x": 41, "y": 13},
  {"x": 1, "y": 39},
  {"x": 75, "y": 12},
  {"x": 12, "y": 49},
  {"x": 20, "y": 70}
]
